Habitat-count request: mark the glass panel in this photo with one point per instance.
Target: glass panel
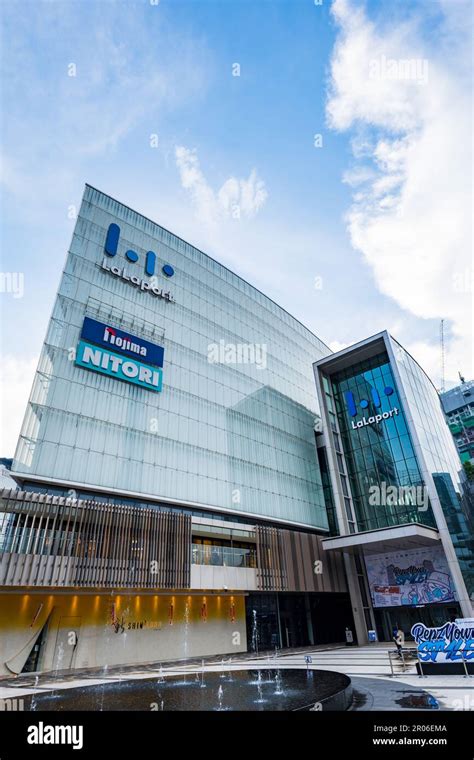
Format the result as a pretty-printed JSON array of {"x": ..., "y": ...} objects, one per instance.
[
  {"x": 224, "y": 433},
  {"x": 441, "y": 458},
  {"x": 223, "y": 556},
  {"x": 378, "y": 451}
]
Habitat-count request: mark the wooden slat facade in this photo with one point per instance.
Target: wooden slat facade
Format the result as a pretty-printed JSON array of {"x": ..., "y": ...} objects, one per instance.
[
  {"x": 271, "y": 566},
  {"x": 286, "y": 562},
  {"x": 54, "y": 541}
]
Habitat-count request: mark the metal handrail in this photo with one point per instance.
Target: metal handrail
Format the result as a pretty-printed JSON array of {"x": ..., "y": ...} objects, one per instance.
[
  {"x": 466, "y": 671},
  {"x": 223, "y": 556},
  {"x": 392, "y": 654},
  {"x": 463, "y": 658}
]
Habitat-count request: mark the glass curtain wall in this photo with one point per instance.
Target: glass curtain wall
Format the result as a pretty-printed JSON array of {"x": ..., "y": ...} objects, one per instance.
[
  {"x": 441, "y": 458},
  {"x": 224, "y": 431},
  {"x": 378, "y": 456}
]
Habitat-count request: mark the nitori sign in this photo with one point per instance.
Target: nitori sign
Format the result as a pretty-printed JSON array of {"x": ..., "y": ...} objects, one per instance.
[
  {"x": 121, "y": 362},
  {"x": 122, "y": 368}
]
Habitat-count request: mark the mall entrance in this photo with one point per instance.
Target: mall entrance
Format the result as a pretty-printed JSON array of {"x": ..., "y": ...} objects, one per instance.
[
  {"x": 431, "y": 615},
  {"x": 289, "y": 620}
]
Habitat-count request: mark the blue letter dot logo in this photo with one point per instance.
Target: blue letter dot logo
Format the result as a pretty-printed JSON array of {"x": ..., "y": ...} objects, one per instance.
[
  {"x": 352, "y": 406},
  {"x": 111, "y": 248}
]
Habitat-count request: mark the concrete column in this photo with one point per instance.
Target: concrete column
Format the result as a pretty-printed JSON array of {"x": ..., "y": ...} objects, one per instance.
[
  {"x": 278, "y": 618},
  {"x": 356, "y": 599},
  {"x": 309, "y": 621}
]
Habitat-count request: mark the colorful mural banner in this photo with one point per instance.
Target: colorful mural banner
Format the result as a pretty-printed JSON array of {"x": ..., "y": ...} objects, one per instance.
[
  {"x": 451, "y": 642},
  {"x": 411, "y": 577}
]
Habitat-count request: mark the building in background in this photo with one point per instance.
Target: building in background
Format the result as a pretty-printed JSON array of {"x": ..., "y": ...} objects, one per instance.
[
  {"x": 182, "y": 488},
  {"x": 458, "y": 405},
  {"x": 404, "y": 512},
  {"x": 170, "y": 498}
]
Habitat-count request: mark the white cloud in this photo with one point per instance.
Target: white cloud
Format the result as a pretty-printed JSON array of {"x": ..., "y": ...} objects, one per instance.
[
  {"x": 236, "y": 197},
  {"x": 248, "y": 194},
  {"x": 411, "y": 211},
  {"x": 336, "y": 345},
  {"x": 428, "y": 356},
  {"x": 16, "y": 378}
]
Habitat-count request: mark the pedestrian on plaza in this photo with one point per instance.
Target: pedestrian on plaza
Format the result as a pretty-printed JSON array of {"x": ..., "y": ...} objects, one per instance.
[{"x": 399, "y": 639}]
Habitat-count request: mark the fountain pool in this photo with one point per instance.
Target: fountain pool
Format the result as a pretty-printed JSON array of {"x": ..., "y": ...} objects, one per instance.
[{"x": 243, "y": 689}]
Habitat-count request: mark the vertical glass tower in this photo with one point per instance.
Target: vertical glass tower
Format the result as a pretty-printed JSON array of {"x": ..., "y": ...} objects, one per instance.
[
  {"x": 441, "y": 459},
  {"x": 380, "y": 455},
  {"x": 400, "y": 492}
]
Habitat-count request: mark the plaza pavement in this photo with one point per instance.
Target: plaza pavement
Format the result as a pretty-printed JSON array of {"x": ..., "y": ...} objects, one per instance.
[{"x": 378, "y": 685}]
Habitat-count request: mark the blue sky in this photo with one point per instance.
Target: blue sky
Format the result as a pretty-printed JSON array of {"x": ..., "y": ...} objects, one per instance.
[{"x": 377, "y": 213}]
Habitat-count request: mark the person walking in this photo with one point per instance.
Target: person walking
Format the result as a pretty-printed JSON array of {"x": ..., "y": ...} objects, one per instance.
[{"x": 399, "y": 639}]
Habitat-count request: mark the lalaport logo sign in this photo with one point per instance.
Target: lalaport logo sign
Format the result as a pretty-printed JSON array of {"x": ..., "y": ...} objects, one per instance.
[
  {"x": 150, "y": 286},
  {"x": 374, "y": 419},
  {"x": 110, "y": 351}
]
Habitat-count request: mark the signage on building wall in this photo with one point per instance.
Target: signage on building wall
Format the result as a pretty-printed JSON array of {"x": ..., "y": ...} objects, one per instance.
[
  {"x": 121, "y": 368},
  {"x": 451, "y": 642},
  {"x": 152, "y": 286},
  {"x": 118, "y": 354},
  {"x": 411, "y": 577},
  {"x": 121, "y": 342},
  {"x": 120, "y": 625},
  {"x": 374, "y": 419}
]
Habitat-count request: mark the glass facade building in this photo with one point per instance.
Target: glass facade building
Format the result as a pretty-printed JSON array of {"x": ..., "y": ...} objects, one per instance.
[
  {"x": 378, "y": 456},
  {"x": 233, "y": 426},
  {"x": 401, "y": 498},
  {"x": 458, "y": 405},
  {"x": 177, "y": 459},
  {"x": 442, "y": 459}
]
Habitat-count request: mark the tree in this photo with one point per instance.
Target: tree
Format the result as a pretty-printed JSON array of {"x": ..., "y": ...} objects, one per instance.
[{"x": 469, "y": 470}]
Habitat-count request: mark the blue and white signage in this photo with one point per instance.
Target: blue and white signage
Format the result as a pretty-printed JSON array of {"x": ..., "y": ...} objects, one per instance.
[
  {"x": 121, "y": 342},
  {"x": 374, "y": 419},
  {"x": 451, "y": 642},
  {"x": 151, "y": 286},
  {"x": 112, "y": 364}
]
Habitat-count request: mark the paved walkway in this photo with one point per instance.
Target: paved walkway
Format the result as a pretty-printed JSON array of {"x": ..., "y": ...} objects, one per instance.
[{"x": 369, "y": 667}]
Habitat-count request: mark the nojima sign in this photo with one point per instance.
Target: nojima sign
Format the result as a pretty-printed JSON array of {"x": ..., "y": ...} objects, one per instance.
[
  {"x": 118, "y": 354},
  {"x": 121, "y": 342}
]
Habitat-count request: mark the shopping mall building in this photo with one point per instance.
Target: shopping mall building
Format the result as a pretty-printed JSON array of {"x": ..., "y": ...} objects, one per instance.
[{"x": 198, "y": 474}]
